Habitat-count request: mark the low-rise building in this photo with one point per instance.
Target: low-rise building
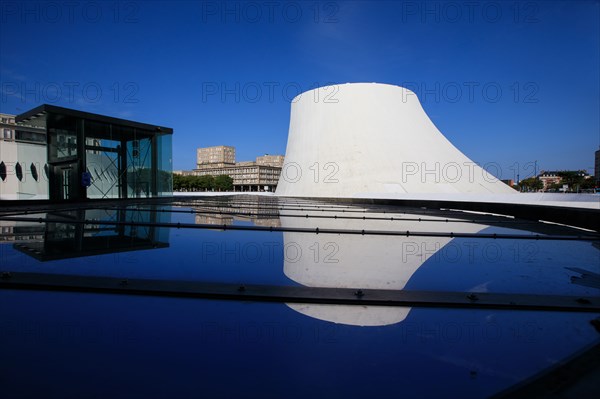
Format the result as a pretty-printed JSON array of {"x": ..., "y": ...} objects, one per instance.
[
  {"x": 548, "y": 178},
  {"x": 508, "y": 182}
]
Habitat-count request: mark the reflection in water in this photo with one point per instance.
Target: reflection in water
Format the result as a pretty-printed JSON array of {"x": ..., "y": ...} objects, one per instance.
[
  {"x": 362, "y": 261},
  {"x": 261, "y": 211},
  {"x": 337, "y": 259},
  {"x": 89, "y": 232},
  {"x": 472, "y": 353}
]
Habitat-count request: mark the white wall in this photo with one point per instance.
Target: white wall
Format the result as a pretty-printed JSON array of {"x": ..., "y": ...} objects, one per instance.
[
  {"x": 352, "y": 139},
  {"x": 25, "y": 154}
]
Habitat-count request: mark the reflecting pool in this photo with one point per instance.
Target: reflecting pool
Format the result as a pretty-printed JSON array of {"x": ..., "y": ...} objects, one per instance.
[{"x": 73, "y": 341}]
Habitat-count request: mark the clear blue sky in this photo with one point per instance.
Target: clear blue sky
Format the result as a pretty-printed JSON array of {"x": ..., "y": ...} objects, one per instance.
[{"x": 507, "y": 82}]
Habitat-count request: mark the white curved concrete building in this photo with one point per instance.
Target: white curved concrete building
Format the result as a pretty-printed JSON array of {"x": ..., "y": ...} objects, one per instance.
[{"x": 368, "y": 139}]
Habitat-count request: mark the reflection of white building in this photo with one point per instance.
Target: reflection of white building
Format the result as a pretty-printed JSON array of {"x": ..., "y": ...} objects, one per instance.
[
  {"x": 358, "y": 139},
  {"x": 360, "y": 261}
]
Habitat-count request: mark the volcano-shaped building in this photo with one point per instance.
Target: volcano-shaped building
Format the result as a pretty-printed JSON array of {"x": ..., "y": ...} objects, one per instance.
[{"x": 368, "y": 139}]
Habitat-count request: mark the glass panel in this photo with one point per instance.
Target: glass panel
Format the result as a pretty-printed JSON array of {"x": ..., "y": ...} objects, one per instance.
[
  {"x": 164, "y": 186},
  {"x": 64, "y": 144},
  {"x": 139, "y": 168},
  {"x": 62, "y": 132},
  {"x": 103, "y": 166},
  {"x": 31, "y": 136},
  {"x": 66, "y": 183}
]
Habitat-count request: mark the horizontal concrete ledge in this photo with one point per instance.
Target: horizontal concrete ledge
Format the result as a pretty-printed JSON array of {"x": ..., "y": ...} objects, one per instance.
[{"x": 296, "y": 294}]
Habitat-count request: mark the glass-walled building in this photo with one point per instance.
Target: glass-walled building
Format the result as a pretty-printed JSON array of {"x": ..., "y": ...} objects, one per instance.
[{"x": 87, "y": 156}]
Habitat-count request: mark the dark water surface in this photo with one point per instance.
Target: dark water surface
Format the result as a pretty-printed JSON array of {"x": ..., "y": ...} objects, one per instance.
[{"x": 65, "y": 344}]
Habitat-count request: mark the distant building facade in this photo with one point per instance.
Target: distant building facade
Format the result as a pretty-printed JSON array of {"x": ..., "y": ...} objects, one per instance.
[
  {"x": 597, "y": 167},
  {"x": 260, "y": 175},
  {"x": 271, "y": 160},
  {"x": 548, "y": 178},
  {"x": 219, "y": 155},
  {"x": 24, "y": 169},
  {"x": 7, "y": 126}
]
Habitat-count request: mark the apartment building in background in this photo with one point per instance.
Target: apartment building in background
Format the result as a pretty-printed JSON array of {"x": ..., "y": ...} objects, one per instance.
[
  {"x": 259, "y": 175},
  {"x": 215, "y": 156}
]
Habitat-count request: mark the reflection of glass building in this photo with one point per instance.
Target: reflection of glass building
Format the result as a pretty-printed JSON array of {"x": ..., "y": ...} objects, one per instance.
[
  {"x": 91, "y": 232},
  {"x": 124, "y": 159}
]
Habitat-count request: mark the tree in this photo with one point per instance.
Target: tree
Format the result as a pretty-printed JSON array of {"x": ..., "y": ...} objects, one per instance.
[
  {"x": 195, "y": 183},
  {"x": 588, "y": 183},
  {"x": 531, "y": 184},
  {"x": 177, "y": 182},
  {"x": 554, "y": 187},
  {"x": 187, "y": 183},
  {"x": 573, "y": 178},
  {"x": 223, "y": 183},
  {"x": 207, "y": 182},
  {"x": 202, "y": 183}
]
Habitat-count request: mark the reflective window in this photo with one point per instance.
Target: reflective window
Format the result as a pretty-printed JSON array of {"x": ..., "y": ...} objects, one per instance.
[
  {"x": 165, "y": 166},
  {"x": 139, "y": 168},
  {"x": 30, "y": 136}
]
